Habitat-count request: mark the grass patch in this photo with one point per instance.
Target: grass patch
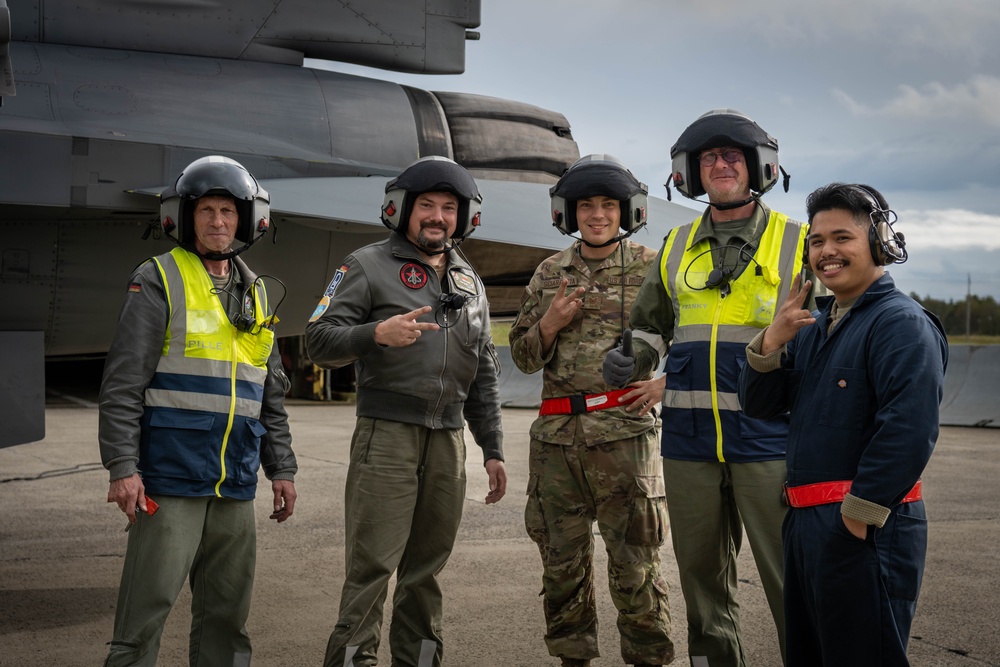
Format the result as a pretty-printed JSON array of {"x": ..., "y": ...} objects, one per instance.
[
  {"x": 974, "y": 340},
  {"x": 501, "y": 332}
]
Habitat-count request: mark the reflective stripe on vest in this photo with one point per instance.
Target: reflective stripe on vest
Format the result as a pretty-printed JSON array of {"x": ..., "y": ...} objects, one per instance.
[
  {"x": 207, "y": 364},
  {"x": 724, "y": 324}
]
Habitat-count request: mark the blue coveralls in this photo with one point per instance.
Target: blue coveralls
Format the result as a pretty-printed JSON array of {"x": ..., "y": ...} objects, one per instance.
[{"x": 864, "y": 408}]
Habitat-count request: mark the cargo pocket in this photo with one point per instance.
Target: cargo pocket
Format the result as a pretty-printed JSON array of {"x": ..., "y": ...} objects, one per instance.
[
  {"x": 180, "y": 444},
  {"x": 647, "y": 521},
  {"x": 247, "y": 456},
  {"x": 908, "y": 553},
  {"x": 534, "y": 518},
  {"x": 678, "y": 399}
]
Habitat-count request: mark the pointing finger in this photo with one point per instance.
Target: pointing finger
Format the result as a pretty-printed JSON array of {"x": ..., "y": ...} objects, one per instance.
[
  {"x": 414, "y": 314},
  {"x": 425, "y": 326}
]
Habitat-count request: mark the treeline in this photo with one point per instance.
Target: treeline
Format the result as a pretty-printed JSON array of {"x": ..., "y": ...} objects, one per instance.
[{"x": 981, "y": 313}]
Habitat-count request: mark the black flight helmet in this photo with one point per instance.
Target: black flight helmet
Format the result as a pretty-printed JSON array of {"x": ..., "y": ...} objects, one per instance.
[
  {"x": 433, "y": 173},
  {"x": 717, "y": 129},
  {"x": 215, "y": 175},
  {"x": 599, "y": 174}
]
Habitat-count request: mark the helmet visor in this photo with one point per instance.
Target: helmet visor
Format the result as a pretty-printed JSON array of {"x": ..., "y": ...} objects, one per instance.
[{"x": 217, "y": 178}]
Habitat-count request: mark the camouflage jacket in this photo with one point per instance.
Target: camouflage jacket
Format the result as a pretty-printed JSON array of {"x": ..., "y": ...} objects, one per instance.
[{"x": 573, "y": 365}]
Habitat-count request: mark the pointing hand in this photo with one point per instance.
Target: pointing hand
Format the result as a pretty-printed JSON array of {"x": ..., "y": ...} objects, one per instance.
[{"x": 403, "y": 330}]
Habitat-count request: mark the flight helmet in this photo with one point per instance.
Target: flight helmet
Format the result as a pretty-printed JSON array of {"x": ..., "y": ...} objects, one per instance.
[
  {"x": 433, "y": 173},
  {"x": 718, "y": 128},
  {"x": 598, "y": 174},
  {"x": 215, "y": 175}
]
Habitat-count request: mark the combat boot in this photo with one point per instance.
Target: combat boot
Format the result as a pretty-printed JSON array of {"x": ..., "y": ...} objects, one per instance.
[{"x": 575, "y": 662}]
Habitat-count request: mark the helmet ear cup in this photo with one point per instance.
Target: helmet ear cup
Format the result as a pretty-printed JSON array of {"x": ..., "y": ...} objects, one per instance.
[
  {"x": 392, "y": 208},
  {"x": 685, "y": 176},
  {"x": 170, "y": 214},
  {"x": 564, "y": 216},
  {"x": 470, "y": 215},
  {"x": 634, "y": 214},
  {"x": 763, "y": 174}
]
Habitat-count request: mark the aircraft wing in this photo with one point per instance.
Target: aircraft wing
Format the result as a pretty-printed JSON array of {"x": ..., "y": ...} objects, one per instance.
[
  {"x": 417, "y": 37},
  {"x": 514, "y": 212},
  {"x": 515, "y": 237},
  {"x": 319, "y": 221}
]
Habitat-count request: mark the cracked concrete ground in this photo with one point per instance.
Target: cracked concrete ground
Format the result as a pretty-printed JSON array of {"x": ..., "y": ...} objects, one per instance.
[{"x": 61, "y": 551}]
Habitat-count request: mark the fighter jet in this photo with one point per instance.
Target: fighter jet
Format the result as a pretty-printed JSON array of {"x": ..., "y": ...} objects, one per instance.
[{"x": 104, "y": 103}]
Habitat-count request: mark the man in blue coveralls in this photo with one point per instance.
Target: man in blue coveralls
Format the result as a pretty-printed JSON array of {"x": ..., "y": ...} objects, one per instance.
[{"x": 863, "y": 379}]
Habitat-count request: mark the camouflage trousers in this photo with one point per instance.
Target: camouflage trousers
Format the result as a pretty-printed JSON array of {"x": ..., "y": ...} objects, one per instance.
[{"x": 620, "y": 485}]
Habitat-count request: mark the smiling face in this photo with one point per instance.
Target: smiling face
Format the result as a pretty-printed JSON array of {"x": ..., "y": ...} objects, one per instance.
[
  {"x": 725, "y": 181},
  {"x": 599, "y": 220},
  {"x": 433, "y": 220},
  {"x": 215, "y": 223},
  {"x": 839, "y": 253}
]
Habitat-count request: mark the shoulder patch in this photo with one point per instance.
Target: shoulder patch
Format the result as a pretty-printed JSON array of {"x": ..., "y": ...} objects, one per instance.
[
  {"x": 321, "y": 307},
  {"x": 337, "y": 278},
  {"x": 331, "y": 289},
  {"x": 135, "y": 288}
]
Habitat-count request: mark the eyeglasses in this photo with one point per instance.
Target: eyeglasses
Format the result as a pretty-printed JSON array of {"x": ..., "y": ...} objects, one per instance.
[{"x": 730, "y": 155}]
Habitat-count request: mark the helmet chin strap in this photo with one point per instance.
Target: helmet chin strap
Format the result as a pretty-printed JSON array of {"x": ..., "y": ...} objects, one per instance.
[
  {"x": 735, "y": 204},
  {"x": 220, "y": 256},
  {"x": 620, "y": 237},
  {"x": 431, "y": 253}
]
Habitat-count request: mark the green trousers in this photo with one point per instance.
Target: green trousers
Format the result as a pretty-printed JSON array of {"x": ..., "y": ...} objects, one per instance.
[
  {"x": 710, "y": 505},
  {"x": 619, "y": 485},
  {"x": 214, "y": 540},
  {"x": 404, "y": 498}
]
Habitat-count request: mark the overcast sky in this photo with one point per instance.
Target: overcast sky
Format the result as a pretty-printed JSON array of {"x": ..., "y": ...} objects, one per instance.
[{"x": 901, "y": 94}]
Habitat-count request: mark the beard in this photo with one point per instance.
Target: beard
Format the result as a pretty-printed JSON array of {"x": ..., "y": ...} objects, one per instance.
[{"x": 431, "y": 244}]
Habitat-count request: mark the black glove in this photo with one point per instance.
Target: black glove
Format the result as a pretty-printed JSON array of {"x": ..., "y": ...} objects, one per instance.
[{"x": 619, "y": 364}]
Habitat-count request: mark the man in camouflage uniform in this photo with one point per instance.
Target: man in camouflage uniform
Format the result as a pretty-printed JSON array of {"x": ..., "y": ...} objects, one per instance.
[{"x": 591, "y": 458}]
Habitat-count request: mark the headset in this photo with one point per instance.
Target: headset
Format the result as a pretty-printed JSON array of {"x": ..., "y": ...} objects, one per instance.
[
  {"x": 720, "y": 277},
  {"x": 251, "y": 317},
  {"x": 887, "y": 246},
  {"x": 448, "y": 302}
]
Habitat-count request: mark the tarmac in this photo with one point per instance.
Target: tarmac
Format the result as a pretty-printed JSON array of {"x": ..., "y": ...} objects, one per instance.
[{"x": 62, "y": 548}]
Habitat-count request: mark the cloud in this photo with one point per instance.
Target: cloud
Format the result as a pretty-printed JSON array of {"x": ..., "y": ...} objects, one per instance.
[
  {"x": 949, "y": 273},
  {"x": 950, "y": 228},
  {"x": 978, "y": 99},
  {"x": 889, "y": 31}
]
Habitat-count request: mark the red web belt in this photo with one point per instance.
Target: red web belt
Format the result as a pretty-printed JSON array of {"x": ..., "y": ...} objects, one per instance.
[
  {"x": 824, "y": 493},
  {"x": 577, "y": 404}
]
